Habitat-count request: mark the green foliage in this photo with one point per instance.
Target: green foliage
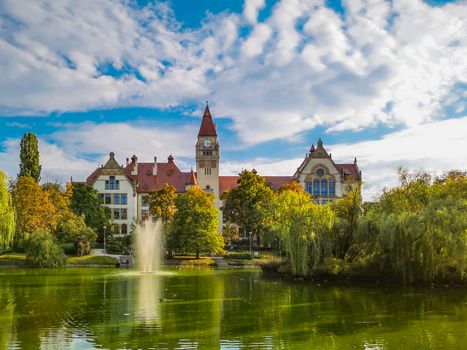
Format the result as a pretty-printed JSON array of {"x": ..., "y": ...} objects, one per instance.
[
  {"x": 72, "y": 228},
  {"x": 195, "y": 223},
  {"x": 249, "y": 204},
  {"x": 419, "y": 230},
  {"x": 29, "y": 156},
  {"x": 93, "y": 260},
  {"x": 84, "y": 202},
  {"x": 43, "y": 252},
  {"x": 7, "y": 216},
  {"x": 162, "y": 204},
  {"x": 119, "y": 245},
  {"x": 302, "y": 227},
  {"x": 230, "y": 233},
  {"x": 239, "y": 255}
]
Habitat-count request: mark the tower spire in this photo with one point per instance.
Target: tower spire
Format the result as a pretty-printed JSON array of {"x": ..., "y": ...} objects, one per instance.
[{"x": 207, "y": 128}]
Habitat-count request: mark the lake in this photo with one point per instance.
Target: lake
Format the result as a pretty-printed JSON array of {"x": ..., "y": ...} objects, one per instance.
[{"x": 86, "y": 308}]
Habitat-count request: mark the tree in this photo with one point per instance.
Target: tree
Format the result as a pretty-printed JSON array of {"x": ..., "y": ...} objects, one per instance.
[
  {"x": 162, "y": 204},
  {"x": 84, "y": 202},
  {"x": 29, "y": 156},
  {"x": 34, "y": 211},
  {"x": 43, "y": 252},
  {"x": 292, "y": 186},
  {"x": 194, "y": 227},
  {"x": 249, "y": 204},
  {"x": 348, "y": 210},
  {"x": 302, "y": 227},
  {"x": 7, "y": 216},
  {"x": 72, "y": 228}
]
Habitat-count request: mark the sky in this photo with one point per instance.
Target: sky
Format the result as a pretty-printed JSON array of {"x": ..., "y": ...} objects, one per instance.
[{"x": 383, "y": 81}]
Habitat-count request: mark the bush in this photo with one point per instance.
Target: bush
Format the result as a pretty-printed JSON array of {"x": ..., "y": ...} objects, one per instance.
[
  {"x": 239, "y": 255},
  {"x": 93, "y": 260},
  {"x": 43, "y": 252},
  {"x": 68, "y": 247},
  {"x": 119, "y": 245}
]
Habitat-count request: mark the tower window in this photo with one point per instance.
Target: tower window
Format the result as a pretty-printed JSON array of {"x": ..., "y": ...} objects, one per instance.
[
  {"x": 208, "y": 189},
  {"x": 207, "y": 171},
  {"x": 207, "y": 152}
]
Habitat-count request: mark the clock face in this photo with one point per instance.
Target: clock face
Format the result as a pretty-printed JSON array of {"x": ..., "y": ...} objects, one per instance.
[{"x": 207, "y": 143}]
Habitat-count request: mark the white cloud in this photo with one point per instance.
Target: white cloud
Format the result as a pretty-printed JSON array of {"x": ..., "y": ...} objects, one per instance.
[
  {"x": 382, "y": 62},
  {"x": 251, "y": 9}
]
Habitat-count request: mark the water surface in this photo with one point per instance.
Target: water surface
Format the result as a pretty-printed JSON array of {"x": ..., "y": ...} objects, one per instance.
[{"x": 214, "y": 309}]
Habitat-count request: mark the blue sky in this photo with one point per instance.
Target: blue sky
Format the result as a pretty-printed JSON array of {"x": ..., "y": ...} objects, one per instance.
[{"x": 381, "y": 81}]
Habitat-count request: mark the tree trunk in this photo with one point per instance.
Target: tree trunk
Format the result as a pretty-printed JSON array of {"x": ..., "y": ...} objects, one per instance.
[{"x": 197, "y": 254}]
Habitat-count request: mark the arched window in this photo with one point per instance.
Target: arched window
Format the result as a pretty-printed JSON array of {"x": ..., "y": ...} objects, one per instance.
[
  {"x": 315, "y": 187},
  {"x": 124, "y": 229},
  {"x": 332, "y": 188},
  {"x": 308, "y": 187},
  {"x": 324, "y": 187}
]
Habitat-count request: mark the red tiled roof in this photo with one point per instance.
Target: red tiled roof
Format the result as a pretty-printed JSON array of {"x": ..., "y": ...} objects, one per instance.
[
  {"x": 277, "y": 181},
  {"x": 207, "y": 127},
  {"x": 228, "y": 182},
  {"x": 349, "y": 169},
  {"x": 192, "y": 179},
  {"x": 93, "y": 177}
]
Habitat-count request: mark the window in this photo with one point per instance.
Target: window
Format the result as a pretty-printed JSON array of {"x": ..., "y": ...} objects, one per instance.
[
  {"x": 207, "y": 171},
  {"x": 144, "y": 213},
  {"x": 116, "y": 214},
  {"x": 320, "y": 172},
  {"x": 332, "y": 188},
  {"x": 116, "y": 198},
  {"x": 324, "y": 187},
  {"x": 208, "y": 189},
  {"x": 107, "y": 198},
  {"x": 116, "y": 228},
  {"x": 207, "y": 153},
  {"x": 100, "y": 196},
  {"x": 112, "y": 184},
  {"x": 308, "y": 187},
  {"x": 123, "y": 198},
  {"x": 123, "y": 214},
  {"x": 315, "y": 187},
  {"x": 124, "y": 229},
  {"x": 144, "y": 200}
]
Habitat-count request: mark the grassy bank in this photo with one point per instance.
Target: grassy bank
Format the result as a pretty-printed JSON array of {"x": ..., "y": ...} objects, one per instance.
[{"x": 19, "y": 260}]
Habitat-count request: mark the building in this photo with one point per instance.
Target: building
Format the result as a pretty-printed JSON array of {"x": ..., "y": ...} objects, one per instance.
[{"x": 125, "y": 188}]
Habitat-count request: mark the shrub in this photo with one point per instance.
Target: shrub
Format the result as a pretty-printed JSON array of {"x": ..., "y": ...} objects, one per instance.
[
  {"x": 68, "y": 247},
  {"x": 239, "y": 255},
  {"x": 43, "y": 252}
]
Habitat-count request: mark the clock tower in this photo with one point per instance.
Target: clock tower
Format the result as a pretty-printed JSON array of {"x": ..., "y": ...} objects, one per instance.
[{"x": 207, "y": 156}]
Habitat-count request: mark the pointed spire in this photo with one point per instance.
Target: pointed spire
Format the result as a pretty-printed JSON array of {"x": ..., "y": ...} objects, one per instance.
[
  {"x": 312, "y": 148},
  {"x": 355, "y": 160},
  {"x": 320, "y": 142},
  {"x": 207, "y": 127},
  {"x": 170, "y": 159}
]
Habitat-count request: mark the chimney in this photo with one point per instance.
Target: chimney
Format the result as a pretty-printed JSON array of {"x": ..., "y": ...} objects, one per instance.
[
  {"x": 134, "y": 161},
  {"x": 154, "y": 168}
]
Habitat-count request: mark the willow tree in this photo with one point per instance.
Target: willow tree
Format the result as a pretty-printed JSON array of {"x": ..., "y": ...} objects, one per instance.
[
  {"x": 302, "y": 227},
  {"x": 29, "y": 156},
  {"x": 419, "y": 230},
  {"x": 7, "y": 216}
]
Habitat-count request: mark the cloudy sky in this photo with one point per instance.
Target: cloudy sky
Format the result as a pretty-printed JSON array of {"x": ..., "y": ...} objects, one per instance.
[{"x": 383, "y": 81}]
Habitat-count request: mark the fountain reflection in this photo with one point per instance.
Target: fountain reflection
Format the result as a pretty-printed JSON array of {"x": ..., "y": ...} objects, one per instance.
[{"x": 149, "y": 294}]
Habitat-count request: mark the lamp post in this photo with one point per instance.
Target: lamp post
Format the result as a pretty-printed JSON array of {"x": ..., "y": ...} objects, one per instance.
[
  {"x": 250, "y": 242},
  {"x": 104, "y": 241}
]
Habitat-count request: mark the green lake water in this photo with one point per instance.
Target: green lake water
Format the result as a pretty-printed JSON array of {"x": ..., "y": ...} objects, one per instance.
[{"x": 220, "y": 309}]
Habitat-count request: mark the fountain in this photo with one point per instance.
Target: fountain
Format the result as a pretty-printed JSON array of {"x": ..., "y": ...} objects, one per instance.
[{"x": 148, "y": 244}]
